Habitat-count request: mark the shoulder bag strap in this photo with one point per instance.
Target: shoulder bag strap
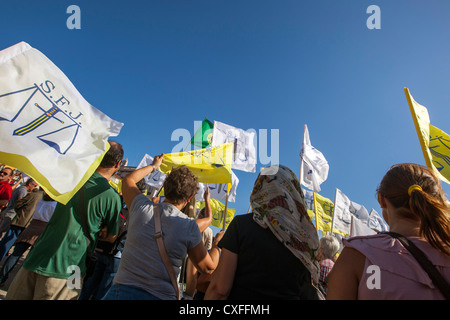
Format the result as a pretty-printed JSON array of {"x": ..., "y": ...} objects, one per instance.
[
  {"x": 438, "y": 280},
  {"x": 162, "y": 250}
]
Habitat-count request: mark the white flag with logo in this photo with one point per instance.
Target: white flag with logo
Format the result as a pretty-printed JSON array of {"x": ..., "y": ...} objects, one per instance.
[
  {"x": 244, "y": 156},
  {"x": 314, "y": 166},
  {"x": 49, "y": 131},
  {"x": 155, "y": 179},
  {"x": 342, "y": 217}
]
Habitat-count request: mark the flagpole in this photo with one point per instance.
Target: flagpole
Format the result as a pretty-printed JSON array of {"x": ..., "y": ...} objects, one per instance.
[
  {"x": 225, "y": 211},
  {"x": 334, "y": 209},
  {"x": 300, "y": 174}
]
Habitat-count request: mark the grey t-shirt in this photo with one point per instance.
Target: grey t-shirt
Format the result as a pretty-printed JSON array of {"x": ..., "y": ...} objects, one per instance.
[
  {"x": 19, "y": 192},
  {"x": 141, "y": 265}
]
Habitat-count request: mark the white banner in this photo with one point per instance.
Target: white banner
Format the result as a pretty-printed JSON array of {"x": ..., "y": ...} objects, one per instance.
[
  {"x": 244, "y": 157},
  {"x": 359, "y": 228},
  {"x": 376, "y": 222},
  {"x": 156, "y": 178},
  {"x": 48, "y": 129},
  {"x": 218, "y": 191}
]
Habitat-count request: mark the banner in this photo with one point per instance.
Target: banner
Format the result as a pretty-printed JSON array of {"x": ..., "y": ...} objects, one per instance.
[
  {"x": 210, "y": 165},
  {"x": 244, "y": 155},
  {"x": 314, "y": 167},
  {"x": 49, "y": 131},
  {"x": 434, "y": 142},
  {"x": 218, "y": 209},
  {"x": 203, "y": 137},
  {"x": 323, "y": 209}
]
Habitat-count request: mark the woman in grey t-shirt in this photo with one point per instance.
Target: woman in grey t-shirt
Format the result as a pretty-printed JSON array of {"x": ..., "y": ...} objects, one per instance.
[{"x": 141, "y": 274}]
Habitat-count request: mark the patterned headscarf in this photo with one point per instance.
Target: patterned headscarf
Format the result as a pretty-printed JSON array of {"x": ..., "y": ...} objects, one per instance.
[{"x": 278, "y": 203}]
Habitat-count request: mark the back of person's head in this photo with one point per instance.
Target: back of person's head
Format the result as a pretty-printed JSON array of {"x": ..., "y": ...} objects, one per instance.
[
  {"x": 417, "y": 194},
  {"x": 29, "y": 181},
  {"x": 112, "y": 156},
  {"x": 329, "y": 246},
  {"x": 180, "y": 185}
]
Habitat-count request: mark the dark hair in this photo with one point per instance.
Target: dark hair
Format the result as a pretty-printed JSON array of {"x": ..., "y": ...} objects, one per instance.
[
  {"x": 427, "y": 205},
  {"x": 29, "y": 181},
  {"x": 180, "y": 185},
  {"x": 114, "y": 155}
]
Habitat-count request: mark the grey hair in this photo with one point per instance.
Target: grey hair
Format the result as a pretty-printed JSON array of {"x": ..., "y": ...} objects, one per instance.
[{"x": 330, "y": 246}]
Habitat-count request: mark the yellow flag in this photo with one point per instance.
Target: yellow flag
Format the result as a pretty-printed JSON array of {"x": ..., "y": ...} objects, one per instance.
[
  {"x": 217, "y": 209},
  {"x": 323, "y": 208},
  {"x": 435, "y": 143},
  {"x": 210, "y": 165}
]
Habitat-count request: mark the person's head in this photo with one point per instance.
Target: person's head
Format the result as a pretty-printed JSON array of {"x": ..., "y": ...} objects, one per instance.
[
  {"x": 113, "y": 157},
  {"x": 30, "y": 185},
  {"x": 278, "y": 203},
  {"x": 180, "y": 186},
  {"x": 416, "y": 194},
  {"x": 6, "y": 174},
  {"x": 329, "y": 246}
]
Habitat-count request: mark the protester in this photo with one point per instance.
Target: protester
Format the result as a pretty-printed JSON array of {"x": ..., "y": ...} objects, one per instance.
[
  {"x": 378, "y": 266},
  {"x": 327, "y": 255},
  {"x": 24, "y": 209},
  {"x": 142, "y": 274},
  {"x": 63, "y": 246},
  {"x": 6, "y": 175},
  {"x": 18, "y": 193},
  {"x": 194, "y": 288},
  {"x": 270, "y": 253},
  {"x": 42, "y": 214}
]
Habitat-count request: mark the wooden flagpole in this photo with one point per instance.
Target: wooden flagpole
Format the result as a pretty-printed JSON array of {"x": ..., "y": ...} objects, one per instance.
[{"x": 225, "y": 212}]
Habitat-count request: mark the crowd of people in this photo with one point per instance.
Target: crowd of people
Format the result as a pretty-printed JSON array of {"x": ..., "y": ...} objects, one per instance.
[{"x": 112, "y": 241}]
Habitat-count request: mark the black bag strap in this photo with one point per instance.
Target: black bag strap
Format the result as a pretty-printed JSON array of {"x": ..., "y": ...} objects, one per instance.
[{"x": 438, "y": 280}]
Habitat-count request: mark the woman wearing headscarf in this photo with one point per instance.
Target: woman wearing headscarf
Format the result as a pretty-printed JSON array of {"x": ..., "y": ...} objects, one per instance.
[
  {"x": 379, "y": 266},
  {"x": 269, "y": 253}
]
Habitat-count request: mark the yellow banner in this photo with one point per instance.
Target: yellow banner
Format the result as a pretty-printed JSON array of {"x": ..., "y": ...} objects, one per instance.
[
  {"x": 323, "y": 208},
  {"x": 210, "y": 165},
  {"x": 434, "y": 142},
  {"x": 217, "y": 209}
]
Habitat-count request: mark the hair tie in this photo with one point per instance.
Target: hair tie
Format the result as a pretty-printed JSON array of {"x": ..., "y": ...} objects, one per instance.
[{"x": 414, "y": 187}]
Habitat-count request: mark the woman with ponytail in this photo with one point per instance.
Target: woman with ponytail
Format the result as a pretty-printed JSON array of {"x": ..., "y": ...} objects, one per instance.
[{"x": 378, "y": 266}]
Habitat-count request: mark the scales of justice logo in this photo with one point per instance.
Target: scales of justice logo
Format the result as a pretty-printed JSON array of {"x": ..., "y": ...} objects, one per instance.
[{"x": 39, "y": 113}]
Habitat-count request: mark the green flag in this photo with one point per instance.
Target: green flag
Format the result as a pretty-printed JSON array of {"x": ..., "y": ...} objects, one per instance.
[{"x": 203, "y": 137}]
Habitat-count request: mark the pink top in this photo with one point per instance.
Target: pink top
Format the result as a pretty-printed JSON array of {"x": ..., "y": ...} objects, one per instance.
[{"x": 400, "y": 276}]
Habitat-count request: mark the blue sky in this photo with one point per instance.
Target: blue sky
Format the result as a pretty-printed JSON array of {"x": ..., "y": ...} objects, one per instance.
[{"x": 158, "y": 66}]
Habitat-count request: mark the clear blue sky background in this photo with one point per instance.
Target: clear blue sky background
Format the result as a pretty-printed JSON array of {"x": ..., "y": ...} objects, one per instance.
[{"x": 158, "y": 66}]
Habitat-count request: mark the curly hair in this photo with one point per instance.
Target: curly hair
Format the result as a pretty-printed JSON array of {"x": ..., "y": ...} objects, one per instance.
[{"x": 180, "y": 185}]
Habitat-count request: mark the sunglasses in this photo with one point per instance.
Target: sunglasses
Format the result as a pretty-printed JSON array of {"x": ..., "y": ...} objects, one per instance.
[{"x": 4, "y": 173}]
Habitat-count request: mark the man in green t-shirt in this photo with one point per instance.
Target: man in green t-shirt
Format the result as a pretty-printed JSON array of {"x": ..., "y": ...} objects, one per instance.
[{"x": 62, "y": 247}]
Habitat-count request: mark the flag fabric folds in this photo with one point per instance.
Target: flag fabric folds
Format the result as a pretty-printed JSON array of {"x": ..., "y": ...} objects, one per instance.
[
  {"x": 244, "y": 155},
  {"x": 210, "y": 165},
  {"x": 218, "y": 208},
  {"x": 219, "y": 190},
  {"x": 359, "y": 228},
  {"x": 434, "y": 142},
  {"x": 203, "y": 137},
  {"x": 323, "y": 209},
  {"x": 342, "y": 217},
  {"x": 314, "y": 167},
  {"x": 376, "y": 222},
  {"x": 49, "y": 131}
]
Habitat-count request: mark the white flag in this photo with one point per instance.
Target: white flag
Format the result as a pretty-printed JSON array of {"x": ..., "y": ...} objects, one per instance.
[
  {"x": 342, "y": 217},
  {"x": 244, "y": 157},
  {"x": 314, "y": 166},
  {"x": 48, "y": 129},
  {"x": 376, "y": 222},
  {"x": 359, "y": 228},
  {"x": 218, "y": 191},
  {"x": 155, "y": 179}
]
